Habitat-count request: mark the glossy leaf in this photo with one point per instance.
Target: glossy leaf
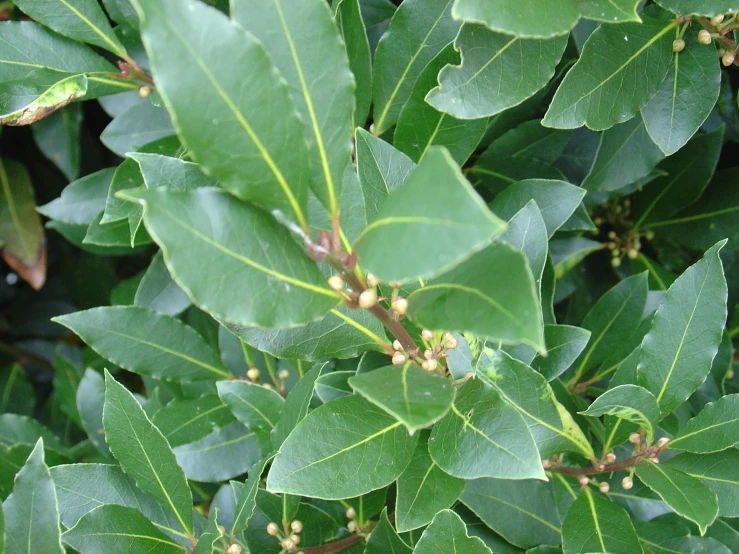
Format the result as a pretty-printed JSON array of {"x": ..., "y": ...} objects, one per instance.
[
  {"x": 158, "y": 291},
  {"x": 297, "y": 405},
  {"x": 165, "y": 171},
  {"x": 353, "y": 30},
  {"x": 528, "y": 140},
  {"x": 716, "y": 471},
  {"x": 81, "y": 200},
  {"x": 677, "y": 352},
  {"x": 146, "y": 342},
  {"x": 483, "y": 436},
  {"x": 135, "y": 127},
  {"x": 207, "y": 540},
  {"x": 180, "y": 222},
  {"x": 631, "y": 403},
  {"x": 602, "y": 88},
  {"x": 27, "y": 101},
  {"x": 58, "y": 136},
  {"x": 144, "y": 453},
  {"x": 333, "y": 385},
  {"x": 183, "y": 421},
  {"x": 491, "y": 294},
  {"x": 418, "y": 31},
  {"x": 564, "y": 344},
  {"x": 253, "y": 405},
  {"x": 416, "y": 222},
  {"x": 246, "y": 501},
  {"x": 688, "y": 7},
  {"x": 348, "y": 437},
  {"x": 610, "y": 10},
  {"x": 528, "y": 19},
  {"x": 90, "y": 398},
  {"x": 498, "y": 71},
  {"x": 384, "y": 539},
  {"x": 527, "y": 233},
  {"x": 446, "y": 533},
  {"x": 715, "y": 428},
  {"x": 234, "y": 84}
]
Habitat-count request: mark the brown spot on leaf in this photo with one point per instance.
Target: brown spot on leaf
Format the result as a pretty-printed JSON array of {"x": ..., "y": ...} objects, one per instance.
[{"x": 34, "y": 275}]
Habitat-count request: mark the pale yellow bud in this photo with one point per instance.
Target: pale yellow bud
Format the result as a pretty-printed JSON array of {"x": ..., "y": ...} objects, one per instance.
[
  {"x": 372, "y": 281},
  {"x": 336, "y": 283},
  {"x": 704, "y": 37},
  {"x": 627, "y": 483},
  {"x": 296, "y": 526},
  {"x": 272, "y": 529},
  {"x": 368, "y": 298},
  {"x": 350, "y": 513},
  {"x": 452, "y": 343},
  {"x": 583, "y": 480},
  {"x": 635, "y": 438},
  {"x": 283, "y": 374},
  {"x": 253, "y": 374},
  {"x": 397, "y": 345},
  {"x": 400, "y": 305},
  {"x": 427, "y": 335},
  {"x": 546, "y": 464},
  {"x": 430, "y": 365},
  {"x": 233, "y": 549},
  {"x": 611, "y": 457},
  {"x": 144, "y": 91},
  {"x": 398, "y": 358},
  {"x": 717, "y": 20},
  {"x": 662, "y": 442},
  {"x": 604, "y": 487}
]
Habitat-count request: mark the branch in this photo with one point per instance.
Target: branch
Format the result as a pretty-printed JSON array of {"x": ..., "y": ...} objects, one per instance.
[
  {"x": 335, "y": 546},
  {"x": 626, "y": 463}
]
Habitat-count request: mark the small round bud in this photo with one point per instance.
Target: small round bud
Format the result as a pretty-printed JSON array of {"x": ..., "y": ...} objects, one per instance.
[
  {"x": 615, "y": 262},
  {"x": 730, "y": 374},
  {"x": 612, "y": 245},
  {"x": 397, "y": 345},
  {"x": 336, "y": 283},
  {"x": 598, "y": 221},
  {"x": 452, "y": 343},
  {"x": 604, "y": 487},
  {"x": 448, "y": 336},
  {"x": 398, "y": 358},
  {"x": 678, "y": 45},
  {"x": 350, "y": 513},
  {"x": 649, "y": 235},
  {"x": 253, "y": 374},
  {"x": 662, "y": 442},
  {"x": 704, "y": 37},
  {"x": 428, "y": 354},
  {"x": 267, "y": 386},
  {"x": 427, "y": 335},
  {"x": 144, "y": 91},
  {"x": 627, "y": 483},
  {"x": 632, "y": 253},
  {"x": 635, "y": 438},
  {"x": 611, "y": 235},
  {"x": 616, "y": 253},
  {"x": 611, "y": 457},
  {"x": 583, "y": 480},
  {"x": 351, "y": 526},
  {"x": 287, "y": 543},
  {"x": 728, "y": 59},
  {"x": 546, "y": 464},
  {"x": 233, "y": 549},
  {"x": 430, "y": 365},
  {"x": 400, "y": 305},
  {"x": 618, "y": 209},
  {"x": 627, "y": 203},
  {"x": 602, "y": 467},
  {"x": 637, "y": 244},
  {"x": 295, "y": 539},
  {"x": 717, "y": 20},
  {"x": 654, "y": 460},
  {"x": 296, "y": 526},
  {"x": 368, "y": 298},
  {"x": 283, "y": 374},
  {"x": 272, "y": 529},
  {"x": 372, "y": 281}
]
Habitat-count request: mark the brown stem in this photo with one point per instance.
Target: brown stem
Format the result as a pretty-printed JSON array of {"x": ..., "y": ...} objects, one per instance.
[
  {"x": 626, "y": 463},
  {"x": 727, "y": 42},
  {"x": 26, "y": 357},
  {"x": 335, "y": 546}
]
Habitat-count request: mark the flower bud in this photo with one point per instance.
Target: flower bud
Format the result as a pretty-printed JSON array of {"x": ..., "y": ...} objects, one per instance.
[
  {"x": 430, "y": 365},
  {"x": 615, "y": 262},
  {"x": 632, "y": 253},
  {"x": 233, "y": 549},
  {"x": 704, "y": 37},
  {"x": 296, "y": 526},
  {"x": 635, "y": 438},
  {"x": 372, "y": 281},
  {"x": 612, "y": 245},
  {"x": 717, "y": 20},
  {"x": 452, "y": 343},
  {"x": 583, "y": 480},
  {"x": 272, "y": 529},
  {"x": 728, "y": 59},
  {"x": 400, "y": 305},
  {"x": 611, "y": 235},
  {"x": 352, "y": 526},
  {"x": 654, "y": 460},
  {"x": 427, "y": 335},
  {"x": 350, "y": 513},
  {"x": 729, "y": 375},
  {"x": 678, "y": 45},
  {"x": 627, "y": 483},
  {"x": 368, "y": 298},
  {"x": 267, "y": 386},
  {"x": 662, "y": 442},
  {"x": 283, "y": 374},
  {"x": 546, "y": 464},
  {"x": 649, "y": 235},
  {"x": 448, "y": 336},
  {"x": 604, "y": 487},
  {"x": 336, "y": 283},
  {"x": 144, "y": 91},
  {"x": 397, "y": 345},
  {"x": 253, "y": 374},
  {"x": 287, "y": 543},
  {"x": 295, "y": 539},
  {"x": 398, "y": 358},
  {"x": 428, "y": 354},
  {"x": 611, "y": 457}
]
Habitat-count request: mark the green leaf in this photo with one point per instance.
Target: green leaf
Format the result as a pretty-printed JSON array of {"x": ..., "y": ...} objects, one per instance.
[
  {"x": 601, "y": 88},
  {"x": 279, "y": 289},
  {"x": 342, "y": 449},
  {"x": 410, "y": 394},
  {"x": 222, "y": 455},
  {"x": 115, "y": 236},
  {"x": 421, "y": 126},
  {"x": 135, "y": 127},
  {"x": 118, "y": 530},
  {"x": 23, "y": 430},
  {"x": 235, "y": 85},
  {"x": 435, "y": 210},
  {"x": 716, "y": 471},
  {"x": 247, "y": 498},
  {"x": 423, "y": 489},
  {"x": 492, "y": 294},
  {"x": 158, "y": 291},
  {"x": 686, "y": 495},
  {"x": 81, "y": 200},
  {"x": 557, "y": 200},
  {"x": 686, "y": 179},
  {"x": 564, "y": 344},
  {"x": 594, "y": 524},
  {"x": 631, "y": 403},
  {"x": 715, "y": 428},
  {"x": 385, "y": 540},
  {"x": 527, "y": 233},
  {"x": 610, "y": 10},
  {"x": 353, "y": 31},
  {"x": 121, "y": 11},
  {"x": 90, "y": 398},
  {"x": 699, "y": 7},
  {"x": 529, "y": 394},
  {"x": 342, "y": 333},
  {"x": 82, "y": 20},
  {"x": 568, "y": 253},
  {"x": 533, "y": 18},
  {"x": 297, "y": 405},
  {"x": 166, "y": 171},
  {"x": 2, "y": 529},
  {"x": 143, "y": 341},
  {"x": 484, "y": 437},
  {"x": 208, "y": 538},
  {"x": 183, "y": 421},
  {"x": 303, "y": 41},
  {"x": 31, "y": 512},
  {"x": 418, "y": 31},
  {"x": 522, "y": 512},
  {"x": 144, "y": 453},
  {"x": 498, "y": 71},
  {"x": 381, "y": 168},
  {"x": 446, "y": 533},
  {"x": 626, "y": 154},
  {"x": 685, "y": 333},
  {"x": 333, "y": 385},
  {"x": 21, "y": 234},
  {"x": 58, "y": 138},
  {"x": 253, "y": 405},
  {"x": 528, "y": 140},
  {"x": 686, "y": 96}
]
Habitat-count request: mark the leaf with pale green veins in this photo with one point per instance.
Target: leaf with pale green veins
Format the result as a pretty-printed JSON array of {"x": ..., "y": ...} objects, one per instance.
[
  {"x": 699, "y": 7},
  {"x": 423, "y": 489},
  {"x": 31, "y": 511},
  {"x": 629, "y": 402},
  {"x": 135, "y": 127},
  {"x": 81, "y": 200},
  {"x": 626, "y": 154},
  {"x": 421, "y": 126},
  {"x": 385, "y": 540},
  {"x": 497, "y": 72},
  {"x": 342, "y": 449},
  {"x": 353, "y": 31},
  {"x": 246, "y": 501},
  {"x": 253, "y": 405},
  {"x": 418, "y": 31},
  {"x": 166, "y": 171},
  {"x": 677, "y": 352},
  {"x": 144, "y": 453},
  {"x": 82, "y": 20},
  {"x": 529, "y": 140},
  {"x": 594, "y": 524},
  {"x": 158, "y": 291},
  {"x": 531, "y": 18},
  {"x": 58, "y": 137},
  {"x": 446, "y": 533},
  {"x": 303, "y": 41},
  {"x": 715, "y": 428},
  {"x": 119, "y": 530},
  {"x": 564, "y": 344},
  {"x": 233, "y": 110},
  {"x": 207, "y": 540},
  {"x": 686, "y": 495},
  {"x": 21, "y": 233},
  {"x": 610, "y": 10},
  {"x": 37, "y": 95},
  {"x": 621, "y": 67},
  {"x": 483, "y": 436},
  {"x": 186, "y": 420},
  {"x": 686, "y": 96},
  {"x": 434, "y": 210},
  {"x": 144, "y": 341},
  {"x": 297, "y": 405},
  {"x": 381, "y": 168},
  {"x": 718, "y": 472},
  {"x": 267, "y": 278},
  {"x": 410, "y": 394}
]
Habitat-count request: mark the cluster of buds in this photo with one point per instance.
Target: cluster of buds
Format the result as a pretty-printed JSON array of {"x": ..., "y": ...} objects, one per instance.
[
  {"x": 432, "y": 354},
  {"x": 289, "y": 537},
  {"x": 628, "y": 245},
  {"x": 603, "y": 486},
  {"x": 644, "y": 450}
]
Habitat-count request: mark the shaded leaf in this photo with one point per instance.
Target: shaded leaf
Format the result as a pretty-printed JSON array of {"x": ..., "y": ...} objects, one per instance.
[
  {"x": 183, "y": 421},
  {"x": 81, "y": 200},
  {"x": 158, "y": 291},
  {"x": 528, "y": 19},
  {"x": 247, "y": 498},
  {"x": 297, "y": 405},
  {"x": 447, "y": 532},
  {"x": 353, "y": 31},
  {"x": 628, "y": 402},
  {"x": 688, "y": 7},
  {"x": 90, "y": 398},
  {"x": 610, "y": 10},
  {"x": 58, "y": 136},
  {"x": 253, "y": 405},
  {"x": 385, "y": 540},
  {"x": 137, "y": 126},
  {"x": 564, "y": 344}
]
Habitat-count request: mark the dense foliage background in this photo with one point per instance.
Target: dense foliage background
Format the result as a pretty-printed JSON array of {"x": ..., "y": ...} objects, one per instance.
[{"x": 431, "y": 276}]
